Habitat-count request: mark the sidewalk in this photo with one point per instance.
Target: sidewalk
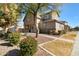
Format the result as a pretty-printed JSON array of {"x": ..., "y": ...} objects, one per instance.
[
  {"x": 75, "y": 51},
  {"x": 49, "y": 37}
]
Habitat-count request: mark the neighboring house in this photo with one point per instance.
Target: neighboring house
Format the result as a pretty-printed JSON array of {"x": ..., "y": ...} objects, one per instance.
[
  {"x": 50, "y": 22},
  {"x": 29, "y": 24}
]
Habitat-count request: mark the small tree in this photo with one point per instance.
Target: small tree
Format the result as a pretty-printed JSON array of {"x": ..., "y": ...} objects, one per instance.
[{"x": 9, "y": 15}]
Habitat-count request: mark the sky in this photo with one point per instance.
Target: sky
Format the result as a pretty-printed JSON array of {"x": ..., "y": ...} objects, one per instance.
[
  {"x": 20, "y": 22},
  {"x": 69, "y": 12}
]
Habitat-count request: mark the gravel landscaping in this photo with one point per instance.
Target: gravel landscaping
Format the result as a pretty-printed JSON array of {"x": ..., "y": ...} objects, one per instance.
[{"x": 7, "y": 50}]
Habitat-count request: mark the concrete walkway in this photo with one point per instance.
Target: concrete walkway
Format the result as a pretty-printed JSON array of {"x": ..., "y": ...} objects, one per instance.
[{"x": 75, "y": 51}]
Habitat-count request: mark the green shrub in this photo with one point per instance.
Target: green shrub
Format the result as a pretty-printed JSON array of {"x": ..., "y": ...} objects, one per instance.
[
  {"x": 61, "y": 32},
  {"x": 6, "y": 35},
  {"x": 28, "y": 46},
  {"x": 14, "y": 38}
]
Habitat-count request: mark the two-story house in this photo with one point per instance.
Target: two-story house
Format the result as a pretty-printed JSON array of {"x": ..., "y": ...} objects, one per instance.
[{"x": 50, "y": 22}]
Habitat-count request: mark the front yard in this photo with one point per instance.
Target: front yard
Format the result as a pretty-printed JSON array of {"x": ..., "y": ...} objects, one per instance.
[
  {"x": 69, "y": 36},
  {"x": 62, "y": 46},
  {"x": 58, "y": 47}
]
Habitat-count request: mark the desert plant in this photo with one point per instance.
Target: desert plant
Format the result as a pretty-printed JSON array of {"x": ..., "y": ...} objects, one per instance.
[
  {"x": 28, "y": 46},
  {"x": 14, "y": 38}
]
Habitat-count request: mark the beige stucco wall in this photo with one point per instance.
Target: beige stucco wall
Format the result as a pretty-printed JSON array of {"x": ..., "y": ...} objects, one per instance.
[
  {"x": 47, "y": 16},
  {"x": 51, "y": 16},
  {"x": 55, "y": 15},
  {"x": 59, "y": 26}
]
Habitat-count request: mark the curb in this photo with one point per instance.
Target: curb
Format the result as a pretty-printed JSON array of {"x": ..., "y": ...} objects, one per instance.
[{"x": 47, "y": 51}]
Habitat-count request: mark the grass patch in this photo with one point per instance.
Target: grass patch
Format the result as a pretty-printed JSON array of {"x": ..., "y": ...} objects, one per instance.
[
  {"x": 70, "y": 36},
  {"x": 59, "y": 47}
]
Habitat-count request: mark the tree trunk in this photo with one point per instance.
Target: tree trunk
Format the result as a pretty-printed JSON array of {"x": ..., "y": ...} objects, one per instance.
[
  {"x": 37, "y": 29},
  {"x": 16, "y": 28},
  {"x": 36, "y": 25},
  {"x": 5, "y": 29}
]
